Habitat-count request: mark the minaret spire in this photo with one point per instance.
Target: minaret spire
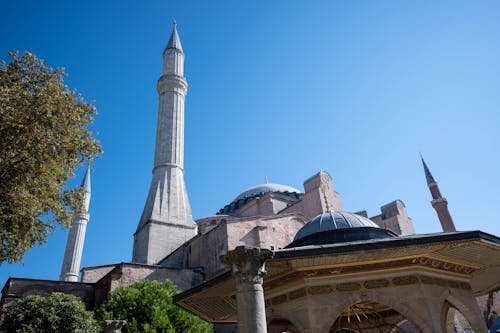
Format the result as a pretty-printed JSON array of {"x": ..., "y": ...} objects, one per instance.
[
  {"x": 439, "y": 203},
  {"x": 166, "y": 220},
  {"x": 174, "y": 42},
  {"x": 74, "y": 246},
  {"x": 428, "y": 174}
]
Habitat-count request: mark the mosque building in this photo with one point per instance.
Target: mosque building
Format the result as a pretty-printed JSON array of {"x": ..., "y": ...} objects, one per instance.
[{"x": 280, "y": 259}]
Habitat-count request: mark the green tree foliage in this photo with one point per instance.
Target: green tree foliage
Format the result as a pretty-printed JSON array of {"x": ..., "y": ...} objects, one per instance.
[
  {"x": 55, "y": 313},
  {"x": 43, "y": 137},
  {"x": 147, "y": 307}
]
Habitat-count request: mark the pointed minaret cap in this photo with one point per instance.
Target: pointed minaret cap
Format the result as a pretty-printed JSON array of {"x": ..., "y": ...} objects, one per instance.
[
  {"x": 428, "y": 174},
  {"x": 174, "y": 42},
  {"x": 86, "y": 181}
]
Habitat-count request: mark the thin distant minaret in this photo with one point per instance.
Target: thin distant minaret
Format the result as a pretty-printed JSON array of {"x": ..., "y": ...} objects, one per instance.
[
  {"x": 74, "y": 246},
  {"x": 439, "y": 203},
  {"x": 166, "y": 222}
]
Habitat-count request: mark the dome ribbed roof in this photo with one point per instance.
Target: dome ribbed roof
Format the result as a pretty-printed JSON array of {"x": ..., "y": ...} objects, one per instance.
[
  {"x": 333, "y": 220},
  {"x": 265, "y": 188}
]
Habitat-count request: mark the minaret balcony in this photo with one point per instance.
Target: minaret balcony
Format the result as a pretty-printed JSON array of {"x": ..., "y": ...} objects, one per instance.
[
  {"x": 439, "y": 200},
  {"x": 172, "y": 82}
]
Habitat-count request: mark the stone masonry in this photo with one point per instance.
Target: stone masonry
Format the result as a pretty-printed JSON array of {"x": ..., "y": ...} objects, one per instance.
[{"x": 166, "y": 221}]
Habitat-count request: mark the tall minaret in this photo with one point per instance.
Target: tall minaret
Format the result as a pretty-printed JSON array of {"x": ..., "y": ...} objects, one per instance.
[
  {"x": 74, "y": 247},
  {"x": 166, "y": 222},
  {"x": 439, "y": 203}
]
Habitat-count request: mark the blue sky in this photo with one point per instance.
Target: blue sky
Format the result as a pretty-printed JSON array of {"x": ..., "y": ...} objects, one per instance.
[{"x": 280, "y": 89}]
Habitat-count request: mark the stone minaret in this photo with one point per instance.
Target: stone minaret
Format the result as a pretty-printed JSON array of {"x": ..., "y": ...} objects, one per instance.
[
  {"x": 439, "y": 203},
  {"x": 166, "y": 222},
  {"x": 74, "y": 247}
]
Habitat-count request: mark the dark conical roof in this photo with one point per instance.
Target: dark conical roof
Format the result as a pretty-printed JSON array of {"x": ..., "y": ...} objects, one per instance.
[
  {"x": 174, "y": 42},
  {"x": 86, "y": 180},
  {"x": 428, "y": 174}
]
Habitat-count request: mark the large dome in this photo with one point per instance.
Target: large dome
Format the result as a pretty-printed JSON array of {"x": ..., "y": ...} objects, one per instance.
[
  {"x": 336, "y": 227},
  {"x": 265, "y": 188}
]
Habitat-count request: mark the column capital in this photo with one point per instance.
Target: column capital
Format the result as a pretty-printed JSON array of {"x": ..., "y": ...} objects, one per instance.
[{"x": 247, "y": 263}]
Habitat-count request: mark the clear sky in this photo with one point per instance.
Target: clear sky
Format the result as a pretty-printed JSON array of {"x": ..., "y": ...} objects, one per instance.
[{"x": 280, "y": 89}]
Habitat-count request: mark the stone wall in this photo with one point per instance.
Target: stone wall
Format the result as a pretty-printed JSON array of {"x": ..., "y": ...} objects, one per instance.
[
  {"x": 125, "y": 274},
  {"x": 395, "y": 218},
  {"x": 319, "y": 196},
  {"x": 202, "y": 252},
  {"x": 16, "y": 288},
  {"x": 94, "y": 274}
]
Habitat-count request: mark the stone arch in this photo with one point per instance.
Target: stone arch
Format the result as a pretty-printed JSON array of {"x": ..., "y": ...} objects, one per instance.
[
  {"x": 454, "y": 319},
  {"x": 405, "y": 326},
  {"x": 282, "y": 325},
  {"x": 392, "y": 302},
  {"x": 462, "y": 309},
  {"x": 280, "y": 321}
]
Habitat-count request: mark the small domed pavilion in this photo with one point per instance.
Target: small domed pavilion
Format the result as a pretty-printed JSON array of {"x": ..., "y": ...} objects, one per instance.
[{"x": 344, "y": 273}]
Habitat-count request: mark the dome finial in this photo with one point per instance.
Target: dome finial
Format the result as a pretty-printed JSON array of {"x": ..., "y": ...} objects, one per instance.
[{"x": 175, "y": 23}]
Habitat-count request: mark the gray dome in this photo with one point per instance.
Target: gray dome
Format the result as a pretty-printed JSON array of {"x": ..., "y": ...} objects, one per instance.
[
  {"x": 331, "y": 221},
  {"x": 265, "y": 188}
]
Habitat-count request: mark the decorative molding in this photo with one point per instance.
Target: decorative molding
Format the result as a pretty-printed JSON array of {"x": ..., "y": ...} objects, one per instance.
[
  {"x": 366, "y": 285},
  {"x": 443, "y": 265},
  {"x": 316, "y": 290},
  {"x": 425, "y": 262},
  {"x": 405, "y": 280},
  {"x": 378, "y": 283},
  {"x": 349, "y": 286}
]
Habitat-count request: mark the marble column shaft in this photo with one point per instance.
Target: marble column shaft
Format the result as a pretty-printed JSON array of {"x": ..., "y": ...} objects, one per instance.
[{"x": 248, "y": 268}]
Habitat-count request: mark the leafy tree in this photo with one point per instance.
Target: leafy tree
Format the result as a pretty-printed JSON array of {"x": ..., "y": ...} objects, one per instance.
[
  {"x": 147, "y": 307},
  {"x": 43, "y": 137},
  {"x": 55, "y": 313}
]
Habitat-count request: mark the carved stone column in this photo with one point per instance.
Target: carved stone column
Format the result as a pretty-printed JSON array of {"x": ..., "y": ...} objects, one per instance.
[{"x": 247, "y": 265}]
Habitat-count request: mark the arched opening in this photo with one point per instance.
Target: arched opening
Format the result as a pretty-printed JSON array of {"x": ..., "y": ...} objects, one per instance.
[
  {"x": 455, "y": 321},
  {"x": 281, "y": 325},
  {"x": 372, "y": 317}
]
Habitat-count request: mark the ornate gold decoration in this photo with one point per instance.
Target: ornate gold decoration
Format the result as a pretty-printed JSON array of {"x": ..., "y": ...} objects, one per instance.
[{"x": 443, "y": 265}]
